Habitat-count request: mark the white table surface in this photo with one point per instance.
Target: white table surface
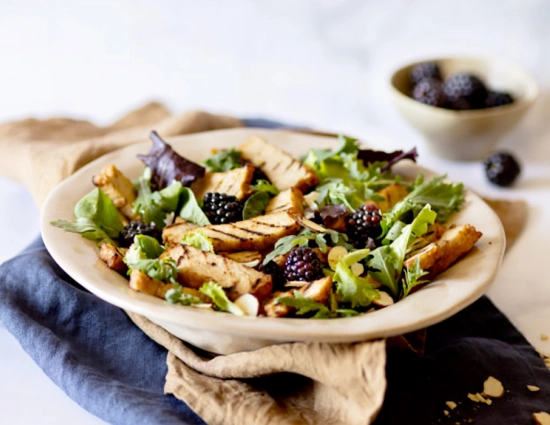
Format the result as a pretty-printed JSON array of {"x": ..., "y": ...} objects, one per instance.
[{"x": 320, "y": 63}]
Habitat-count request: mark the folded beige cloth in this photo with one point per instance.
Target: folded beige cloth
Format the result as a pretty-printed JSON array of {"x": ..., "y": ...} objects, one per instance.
[{"x": 286, "y": 384}]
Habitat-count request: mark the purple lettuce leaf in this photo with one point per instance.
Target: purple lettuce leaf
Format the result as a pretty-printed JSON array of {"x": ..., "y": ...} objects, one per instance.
[
  {"x": 369, "y": 156},
  {"x": 166, "y": 165}
]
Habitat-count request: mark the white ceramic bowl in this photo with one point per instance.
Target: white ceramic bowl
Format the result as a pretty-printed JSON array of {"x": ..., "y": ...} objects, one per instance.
[
  {"x": 224, "y": 333},
  {"x": 473, "y": 134}
]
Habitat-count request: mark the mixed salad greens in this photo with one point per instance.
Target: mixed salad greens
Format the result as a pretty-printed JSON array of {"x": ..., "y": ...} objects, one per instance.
[{"x": 347, "y": 175}]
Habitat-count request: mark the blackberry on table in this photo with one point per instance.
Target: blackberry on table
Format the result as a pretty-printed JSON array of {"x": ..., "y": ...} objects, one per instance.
[
  {"x": 126, "y": 237},
  {"x": 495, "y": 98},
  {"x": 465, "y": 86},
  {"x": 222, "y": 208},
  {"x": 364, "y": 224},
  {"x": 430, "y": 92},
  {"x": 303, "y": 264},
  {"x": 502, "y": 168},
  {"x": 424, "y": 70}
]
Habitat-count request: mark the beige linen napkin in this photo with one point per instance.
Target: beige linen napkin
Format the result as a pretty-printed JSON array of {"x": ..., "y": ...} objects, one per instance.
[{"x": 287, "y": 384}]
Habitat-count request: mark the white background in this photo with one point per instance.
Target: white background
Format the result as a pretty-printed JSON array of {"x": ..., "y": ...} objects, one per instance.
[{"x": 319, "y": 63}]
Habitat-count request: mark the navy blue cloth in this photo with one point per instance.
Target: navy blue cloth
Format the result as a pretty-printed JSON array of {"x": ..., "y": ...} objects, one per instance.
[{"x": 95, "y": 353}]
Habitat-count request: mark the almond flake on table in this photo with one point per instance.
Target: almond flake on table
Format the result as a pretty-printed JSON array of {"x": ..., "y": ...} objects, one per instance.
[
  {"x": 533, "y": 388},
  {"x": 493, "y": 388},
  {"x": 544, "y": 337},
  {"x": 541, "y": 418},
  {"x": 451, "y": 404}
]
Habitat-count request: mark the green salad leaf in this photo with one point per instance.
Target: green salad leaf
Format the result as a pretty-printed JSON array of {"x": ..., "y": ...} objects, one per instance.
[
  {"x": 219, "y": 298},
  {"x": 386, "y": 262},
  {"x": 154, "y": 206},
  {"x": 257, "y": 202},
  {"x": 199, "y": 240},
  {"x": 191, "y": 210},
  {"x": 177, "y": 296},
  {"x": 224, "y": 160},
  {"x": 96, "y": 218},
  {"x": 358, "y": 291},
  {"x": 143, "y": 255},
  {"x": 304, "y": 305},
  {"x": 413, "y": 277},
  {"x": 444, "y": 198}
]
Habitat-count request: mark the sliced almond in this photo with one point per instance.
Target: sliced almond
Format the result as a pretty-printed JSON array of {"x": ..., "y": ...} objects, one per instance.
[
  {"x": 446, "y": 412},
  {"x": 249, "y": 304},
  {"x": 357, "y": 269},
  {"x": 533, "y": 388},
  {"x": 493, "y": 388},
  {"x": 308, "y": 224},
  {"x": 385, "y": 300},
  {"x": 541, "y": 418},
  {"x": 544, "y": 337},
  {"x": 335, "y": 254}
]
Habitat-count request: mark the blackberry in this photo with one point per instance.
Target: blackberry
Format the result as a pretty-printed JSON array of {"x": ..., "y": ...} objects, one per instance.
[
  {"x": 424, "y": 70},
  {"x": 502, "y": 168},
  {"x": 430, "y": 92},
  {"x": 465, "y": 86},
  {"x": 303, "y": 264},
  {"x": 126, "y": 237},
  {"x": 495, "y": 98},
  {"x": 221, "y": 208},
  {"x": 276, "y": 272},
  {"x": 364, "y": 224}
]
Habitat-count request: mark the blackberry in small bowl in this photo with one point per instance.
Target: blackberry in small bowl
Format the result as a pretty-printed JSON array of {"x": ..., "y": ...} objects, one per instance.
[
  {"x": 134, "y": 228},
  {"x": 425, "y": 70},
  {"x": 465, "y": 86},
  {"x": 502, "y": 169},
  {"x": 495, "y": 98},
  {"x": 364, "y": 224},
  {"x": 303, "y": 264},
  {"x": 430, "y": 92},
  {"x": 221, "y": 208}
]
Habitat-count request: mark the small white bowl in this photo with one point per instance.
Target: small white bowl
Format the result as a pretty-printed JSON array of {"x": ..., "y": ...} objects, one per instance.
[{"x": 473, "y": 134}]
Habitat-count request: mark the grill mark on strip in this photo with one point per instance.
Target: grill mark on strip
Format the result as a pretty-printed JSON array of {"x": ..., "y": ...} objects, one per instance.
[
  {"x": 292, "y": 162},
  {"x": 242, "y": 229},
  {"x": 228, "y": 234}
]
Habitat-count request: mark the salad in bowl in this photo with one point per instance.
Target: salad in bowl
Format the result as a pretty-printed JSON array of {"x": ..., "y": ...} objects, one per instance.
[{"x": 254, "y": 231}]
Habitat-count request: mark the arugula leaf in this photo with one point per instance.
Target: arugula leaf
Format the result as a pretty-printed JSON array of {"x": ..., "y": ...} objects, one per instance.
[
  {"x": 387, "y": 260},
  {"x": 86, "y": 227},
  {"x": 345, "y": 145},
  {"x": 359, "y": 291},
  {"x": 305, "y": 305},
  {"x": 219, "y": 298},
  {"x": 224, "y": 160},
  {"x": 413, "y": 278},
  {"x": 444, "y": 198},
  {"x": 191, "y": 211},
  {"x": 255, "y": 204},
  {"x": 199, "y": 240},
  {"x": 177, "y": 296}
]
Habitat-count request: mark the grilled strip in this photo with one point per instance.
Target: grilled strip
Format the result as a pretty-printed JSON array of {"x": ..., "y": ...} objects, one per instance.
[
  {"x": 253, "y": 234},
  {"x": 197, "y": 267},
  {"x": 280, "y": 168},
  {"x": 234, "y": 182},
  {"x": 290, "y": 200}
]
